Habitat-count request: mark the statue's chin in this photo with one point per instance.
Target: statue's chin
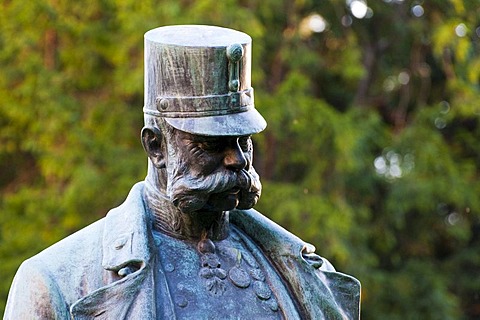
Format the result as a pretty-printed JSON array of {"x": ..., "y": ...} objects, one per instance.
[
  {"x": 226, "y": 201},
  {"x": 223, "y": 201},
  {"x": 216, "y": 202},
  {"x": 189, "y": 204}
]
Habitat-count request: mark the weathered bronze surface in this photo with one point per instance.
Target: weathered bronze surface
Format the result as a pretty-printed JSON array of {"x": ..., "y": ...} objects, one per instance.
[{"x": 186, "y": 244}]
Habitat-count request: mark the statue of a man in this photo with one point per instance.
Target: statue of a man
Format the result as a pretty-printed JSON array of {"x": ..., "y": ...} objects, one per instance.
[{"x": 186, "y": 244}]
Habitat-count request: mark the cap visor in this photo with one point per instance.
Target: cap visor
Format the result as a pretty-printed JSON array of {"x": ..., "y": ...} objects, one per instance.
[{"x": 235, "y": 124}]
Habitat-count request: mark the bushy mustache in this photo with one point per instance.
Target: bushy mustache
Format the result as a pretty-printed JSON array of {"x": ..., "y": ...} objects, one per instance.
[{"x": 190, "y": 193}]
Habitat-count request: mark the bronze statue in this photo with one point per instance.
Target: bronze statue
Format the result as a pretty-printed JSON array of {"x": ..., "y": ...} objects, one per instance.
[{"x": 186, "y": 244}]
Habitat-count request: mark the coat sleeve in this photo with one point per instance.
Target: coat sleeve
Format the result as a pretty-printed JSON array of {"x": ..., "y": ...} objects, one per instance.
[{"x": 34, "y": 294}]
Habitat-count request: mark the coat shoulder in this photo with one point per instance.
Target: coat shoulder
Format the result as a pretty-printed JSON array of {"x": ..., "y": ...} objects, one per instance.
[
  {"x": 42, "y": 285},
  {"x": 73, "y": 250}
]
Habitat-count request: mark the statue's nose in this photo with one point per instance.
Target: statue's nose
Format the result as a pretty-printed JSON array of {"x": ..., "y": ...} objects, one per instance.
[{"x": 234, "y": 158}]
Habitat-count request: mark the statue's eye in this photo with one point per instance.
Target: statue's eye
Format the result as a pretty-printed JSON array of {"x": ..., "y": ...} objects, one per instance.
[
  {"x": 210, "y": 145},
  {"x": 245, "y": 143}
]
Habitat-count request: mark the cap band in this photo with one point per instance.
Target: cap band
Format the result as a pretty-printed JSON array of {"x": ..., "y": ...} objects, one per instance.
[{"x": 202, "y": 106}]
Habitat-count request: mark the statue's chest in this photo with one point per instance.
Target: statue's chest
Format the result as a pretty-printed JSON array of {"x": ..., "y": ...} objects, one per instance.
[{"x": 215, "y": 280}]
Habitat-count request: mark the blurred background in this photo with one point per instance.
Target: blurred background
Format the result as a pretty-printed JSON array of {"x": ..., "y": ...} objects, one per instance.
[{"x": 372, "y": 152}]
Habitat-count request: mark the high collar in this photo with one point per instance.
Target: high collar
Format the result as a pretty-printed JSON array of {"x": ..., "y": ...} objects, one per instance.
[{"x": 128, "y": 237}]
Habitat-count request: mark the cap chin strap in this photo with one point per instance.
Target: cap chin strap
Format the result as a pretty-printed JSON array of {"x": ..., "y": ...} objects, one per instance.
[{"x": 202, "y": 106}]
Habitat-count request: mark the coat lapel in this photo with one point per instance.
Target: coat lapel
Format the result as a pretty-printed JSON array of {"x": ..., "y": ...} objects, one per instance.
[
  {"x": 128, "y": 253},
  {"x": 118, "y": 299},
  {"x": 321, "y": 292}
]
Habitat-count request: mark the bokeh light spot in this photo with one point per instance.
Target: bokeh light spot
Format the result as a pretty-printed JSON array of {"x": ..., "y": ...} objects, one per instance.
[
  {"x": 418, "y": 11},
  {"x": 359, "y": 9},
  {"x": 317, "y": 23},
  {"x": 403, "y": 78},
  {"x": 461, "y": 30},
  {"x": 347, "y": 20}
]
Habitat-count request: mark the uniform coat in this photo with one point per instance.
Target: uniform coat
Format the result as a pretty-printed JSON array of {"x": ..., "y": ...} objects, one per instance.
[{"x": 105, "y": 271}]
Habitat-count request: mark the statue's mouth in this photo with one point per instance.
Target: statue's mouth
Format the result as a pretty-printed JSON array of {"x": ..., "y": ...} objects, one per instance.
[{"x": 234, "y": 190}]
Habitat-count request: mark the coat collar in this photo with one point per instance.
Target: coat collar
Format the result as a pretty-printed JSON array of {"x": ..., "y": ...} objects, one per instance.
[
  {"x": 127, "y": 237},
  {"x": 274, "y": 238},
  {"x": 127, "y": 241}
]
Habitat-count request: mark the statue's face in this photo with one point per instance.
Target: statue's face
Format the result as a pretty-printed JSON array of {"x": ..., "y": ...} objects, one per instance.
[{"x": 211, "y": 173}]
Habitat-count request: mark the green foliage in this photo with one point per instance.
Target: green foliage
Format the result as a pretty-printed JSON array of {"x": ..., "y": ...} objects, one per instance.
[{"x": 371, "y": 151}]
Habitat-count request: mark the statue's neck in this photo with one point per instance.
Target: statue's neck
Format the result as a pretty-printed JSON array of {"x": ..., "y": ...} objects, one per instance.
[{"x": 168, "y": 219}]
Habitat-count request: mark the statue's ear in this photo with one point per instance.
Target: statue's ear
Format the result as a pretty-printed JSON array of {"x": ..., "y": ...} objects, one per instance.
[{"x": 153, "y": 144}]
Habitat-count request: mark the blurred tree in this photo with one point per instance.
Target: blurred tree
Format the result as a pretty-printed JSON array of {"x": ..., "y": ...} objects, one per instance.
[
  {"x": 384, "y": 166},
  {"x": 372, "y": 150}
]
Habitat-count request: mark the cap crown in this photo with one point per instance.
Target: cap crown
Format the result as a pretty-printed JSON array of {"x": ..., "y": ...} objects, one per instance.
[{"x": 198, "y": 79}]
